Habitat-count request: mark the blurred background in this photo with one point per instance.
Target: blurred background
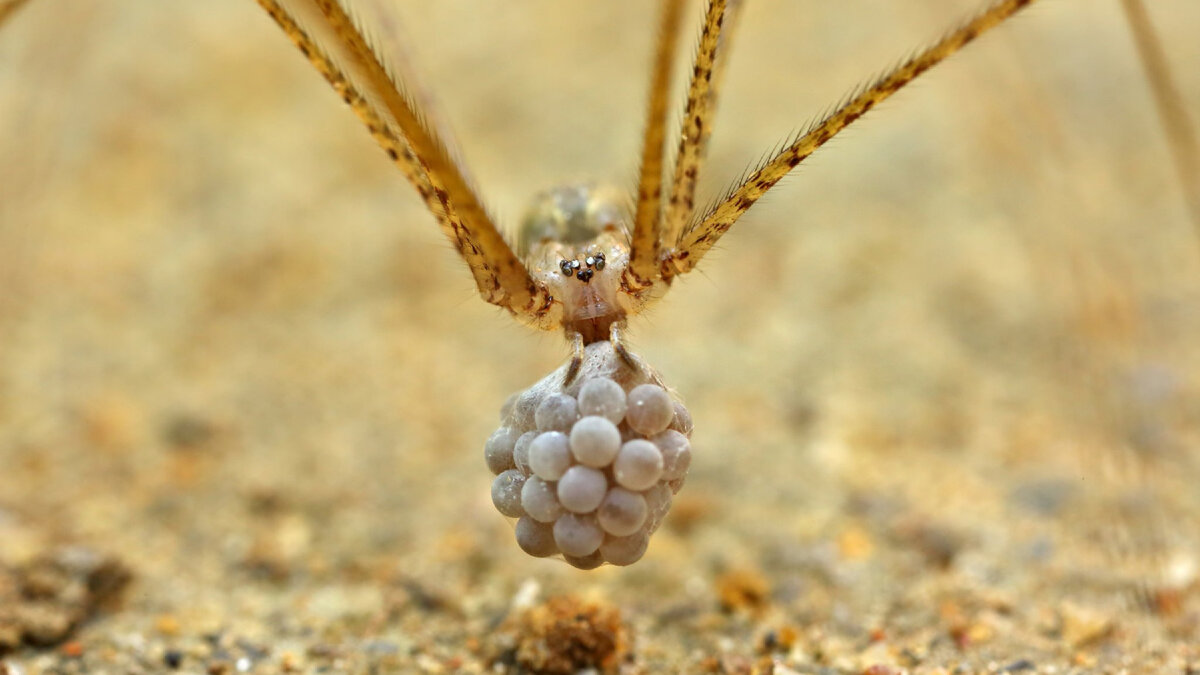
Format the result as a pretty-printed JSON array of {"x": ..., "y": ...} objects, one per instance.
[{"x": 944, "y": 377}]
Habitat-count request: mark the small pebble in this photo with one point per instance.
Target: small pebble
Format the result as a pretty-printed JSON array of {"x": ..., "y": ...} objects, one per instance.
[
  {"x": 536, "y": 539},
  {"x": 650, "y": 409},
  {"x": 498, "y": 451},
  {"x": 550, "y": 455},
  {"x": 625, "y": 550},
  {"x": 539, "y": 500},
  {"x": 595, "y": 441},
  {"x": 506, "y": 493},
  {"x": 638, "y": 465},
  {"x": 581, "y": 489},
  {"x": 604, "y": 398},
  {"x": 556, "y": 412},
  {"x": 622, "y": 512},
  {"x": 577, "y": 535}
]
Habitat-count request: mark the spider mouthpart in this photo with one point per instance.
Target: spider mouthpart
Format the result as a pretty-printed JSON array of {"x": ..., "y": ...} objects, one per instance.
[{"x": 589, "y": 469}]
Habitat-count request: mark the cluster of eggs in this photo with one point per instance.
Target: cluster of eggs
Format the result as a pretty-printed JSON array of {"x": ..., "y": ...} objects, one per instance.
[{"x": 589, "y": 469}]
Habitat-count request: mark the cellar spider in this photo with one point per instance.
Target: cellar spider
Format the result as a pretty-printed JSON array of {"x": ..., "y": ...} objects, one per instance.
[
  {"x": 582, "y": 263},
  {"x": 588, "y": 268}
]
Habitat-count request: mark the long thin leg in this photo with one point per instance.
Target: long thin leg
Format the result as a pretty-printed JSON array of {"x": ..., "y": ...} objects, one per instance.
[
  {"x": 500, "y": 276},
  {"x": 697, "y": 117},
  {"x": 1181, "y": 135},
  {"x": 618, "y": 343},
  {"x": 647, "y": 221},
  {"x": 700, "y": 238},
  {"x": 8, "y": 8}
]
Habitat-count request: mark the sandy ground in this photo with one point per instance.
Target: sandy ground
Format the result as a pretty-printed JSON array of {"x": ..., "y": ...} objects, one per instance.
[{"x": 944, "y": 379}]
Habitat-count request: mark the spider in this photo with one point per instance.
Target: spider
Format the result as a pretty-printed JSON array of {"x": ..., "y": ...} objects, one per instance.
[{"x": 582, "y": 263}]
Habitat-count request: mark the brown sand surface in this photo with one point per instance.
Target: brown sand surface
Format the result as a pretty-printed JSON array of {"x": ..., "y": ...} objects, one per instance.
[{"x": 945, "y": 378}]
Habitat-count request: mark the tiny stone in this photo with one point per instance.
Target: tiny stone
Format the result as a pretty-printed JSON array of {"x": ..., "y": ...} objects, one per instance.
[
  {"x": 650, "y": 409},
  {"x": 595, "y": 441},
  {"x": 676, "y": 453},
  {"x": 506, "y": 493},
  {"x": 539, "y": 501},
  {"x": 622, "y": 512},
  {"x": 498, "y": 451},
  {"x": 639, "y": 465},
  {"x": 604, "y": 398},
  {"x": 557, "y": 412},
  {"x": 550, "y": 455},
  {"x": 581, "y": 489},
  {"x": 683, "y": 419},
  {"x": 521, "y": 451},
  {"x": 588, "y": 562},
  {"x": 625, "y": 550},
  {"x": 536, "y": 539},
  {"x": 577, "y": 535}
]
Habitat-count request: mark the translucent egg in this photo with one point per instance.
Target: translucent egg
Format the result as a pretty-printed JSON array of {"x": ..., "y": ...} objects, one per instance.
[
  {"x": 577, "y": 535},
  {"x": 539, "y": 500},
  {"x": 587, "y": 562},
  {"x": 557, "y": 412},
  {"x": 625, "y": 550},
  {"x": 498, "y": 451},
  {"x": 604, "y": 398},
  {"x": 506, "y": 493},
  {"x": 536, "y": 539},
  {"x": 650, "y": 409},
  {"x": 683, "y": 419},
  {"x": 622, "y": 512},
  {"x": 595, "y": 441},
  {"x": 521, "y": 451},
  {"x": 582, "y": 488},
  {"x": 638, "y": 465},
  {"x": 676, "y": 453},
  {"x": 658, "y": 503},
  {"x": 550, "y": 455}
]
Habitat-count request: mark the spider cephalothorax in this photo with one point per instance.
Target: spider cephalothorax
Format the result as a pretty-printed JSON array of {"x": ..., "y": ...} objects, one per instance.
[{"x": 583, "y": 264}]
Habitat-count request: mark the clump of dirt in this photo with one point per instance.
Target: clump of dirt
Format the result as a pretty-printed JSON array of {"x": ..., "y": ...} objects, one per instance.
[
  {"x": 564, "y": 635},
  {"x": 43, "y": 600}
]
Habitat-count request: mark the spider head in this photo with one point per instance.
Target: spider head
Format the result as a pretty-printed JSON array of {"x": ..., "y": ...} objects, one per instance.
[{"x": 575, "y": 240}]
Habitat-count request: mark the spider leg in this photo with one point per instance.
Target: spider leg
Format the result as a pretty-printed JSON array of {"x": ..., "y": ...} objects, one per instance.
[
  {"x": 355, "y": 70},
  {"x": 577, "y": 355},
  {"x": 698, "y": 115},
  {"x": 8, "y": 8},
  {"x": 618, "y": 343},
  {"x": 1181, "y": 136},
  {"x": 647, "y": 221},
  {"x": 699, "y": 238}
]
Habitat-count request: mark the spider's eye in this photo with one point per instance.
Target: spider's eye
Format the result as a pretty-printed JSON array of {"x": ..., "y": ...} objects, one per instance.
[
  {"x": 565, "y": 266},
  {"x": 599, "y": 261}
]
